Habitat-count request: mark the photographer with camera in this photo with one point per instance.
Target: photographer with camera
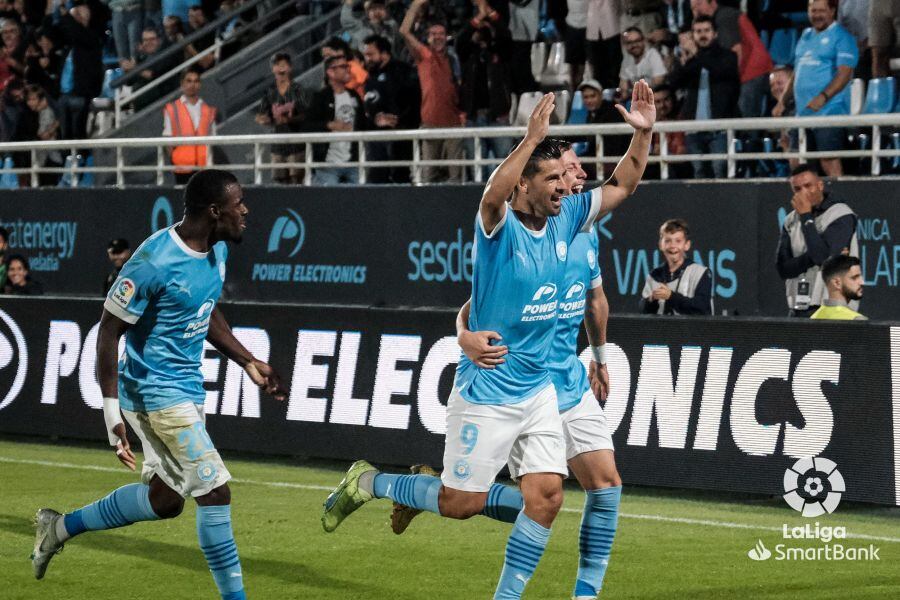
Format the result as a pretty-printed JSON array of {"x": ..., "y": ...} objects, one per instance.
[{"x": 818, "y": 228}]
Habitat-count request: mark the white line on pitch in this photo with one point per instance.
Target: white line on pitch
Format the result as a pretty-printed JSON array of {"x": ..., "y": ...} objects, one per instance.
[{"x": 304, "y": 486}]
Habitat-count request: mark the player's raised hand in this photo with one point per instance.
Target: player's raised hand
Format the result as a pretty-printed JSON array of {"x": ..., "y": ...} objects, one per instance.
[
  {"x": 539, "y": 122},
  {"x": 642, "y": 115},
  {"x": 266, "y": 378},
  {"x": 599, "y": 378},
  {"x": 477, "y": 346},
  {"x": 123, "y": 448}
]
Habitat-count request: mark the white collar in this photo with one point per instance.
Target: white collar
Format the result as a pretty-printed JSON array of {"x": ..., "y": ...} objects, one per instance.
[{"x": 180, "y": 243}]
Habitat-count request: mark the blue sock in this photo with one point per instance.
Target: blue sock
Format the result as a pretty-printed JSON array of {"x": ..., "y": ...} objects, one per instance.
[
  {"x": 504, "y": 503},
  {"x": 598, "y": 528},
  {"x": 415, "y": 491},
  {"x": 523, "y": 551},
  {"x": 217, "y": 543},
  {"x": 124, "y": 506}
]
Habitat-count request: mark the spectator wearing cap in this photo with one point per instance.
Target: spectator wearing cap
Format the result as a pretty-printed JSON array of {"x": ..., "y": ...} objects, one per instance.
[
  {"x": 18, "y": 278},
  {"x": 118, "y": 251},
  {"x": 639, "y": 62},
  {"x": 884, "y": 34},
  {"x": 374, "y": 20},
  {"x": 824, "y": 60},
  {"x": 440, "y": 95},
  {"x": 604, "y": 40},
  {"x": 283, "y": 107}
]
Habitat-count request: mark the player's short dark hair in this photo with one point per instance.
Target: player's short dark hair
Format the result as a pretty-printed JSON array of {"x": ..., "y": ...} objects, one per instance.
[
  {"x": 705, "y": 19},
  {"x": 804, "y": 168},
  {"x": 381, "y": 43},
  {"x": 205, "y": 188},
  {"x": 280, "y": 57},
  {"x": 191, "y": 69},
  {"x": 674, "y": 226},
  {"x": 19, "y": 258},
  {"x": 4, "y": 233},
  {"x": 664, "y": 87},
  {"x": 838, "y": 266},
  {"x": 548, "y": 149},
  {"x": 563, "y": 145}
]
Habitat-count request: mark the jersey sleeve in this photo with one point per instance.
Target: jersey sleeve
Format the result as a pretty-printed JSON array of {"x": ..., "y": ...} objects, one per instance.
[
  {"x": 594, "y": 262},
  {"x": 496, "y": 232},
  {"x": 847, "y": 52},
  {"x": 579, "y": 212},
  {"x": 138, "y": 283}
]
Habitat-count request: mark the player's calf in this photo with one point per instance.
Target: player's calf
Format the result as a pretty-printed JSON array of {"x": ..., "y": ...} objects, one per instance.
[{"x": 459, "y": 504}]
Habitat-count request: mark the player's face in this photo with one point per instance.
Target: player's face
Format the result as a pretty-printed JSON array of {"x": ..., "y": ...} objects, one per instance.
[
  {"x": 575, "y": 176},
  {"x": 546, "y": 188},
  {"x": 674, "y": 247},
  {"x": 852, "y": 284},
  {"x": 231, "y": 215}
]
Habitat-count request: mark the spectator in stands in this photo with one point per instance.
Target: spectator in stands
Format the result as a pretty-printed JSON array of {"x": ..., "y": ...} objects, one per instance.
[
  {"x": 576, "y": 39},
  {"x": 12, "y": 52},
  {"x": 646, "y": 15},
  {"x": 336, "y": 47},
  {"x": 853, "y": 15},
  {"x": 373, "y": 21},
  {"x": 484, "y": 48},
  {"x": 604, "y": 40},
  {"x": 4, "y": 248},
  {"x": 639, "y": 62},
  {"x": 197, "y": 21},
  {"x": 779, "y": 82},
  {"x": 818, "y": 227},
  {"x": 118, "y": 251},
  {"x": 44, "y": 63},
  {"x": 335, "y": 108},
  {"x": 18, "y": 278},
  {"x": 601, "y": 110},
  {"x": 884, "y": 34},
  {"x": 679, "y": 286},
  {"x": 173, "y": 28},
  {"x": 844, "y": 282},
  {"x": 86, "y": 79},
  {"x": 151, "y": 45},
  {"x": 178, "y": 8},
  {"x": 392, "y": 102},
  {"x": 153, "y": 14},
  {"x": 283, "y": 107},
  {"x": 440, "y": 98},
  {"x": 188, "y": 116},
  {"x": 709, "y": 75},
  {"x": 524, "y": 26},
  {"x": 47, "y": 129},
  {"x": 678, "y": 17},
  {"x": 665, "y": 101},
  {"x": 824, "y": 61},
  {"x": 127, "y": 17}
]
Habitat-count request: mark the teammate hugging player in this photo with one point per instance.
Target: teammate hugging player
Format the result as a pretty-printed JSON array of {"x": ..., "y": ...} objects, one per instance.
[
  {"x": 164, "y": 302},
  {"x": 509, "y": 414}
]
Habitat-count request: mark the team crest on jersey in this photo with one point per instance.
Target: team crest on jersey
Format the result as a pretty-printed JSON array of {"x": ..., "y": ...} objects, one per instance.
[
  {"x": 591, "y": 258},
  {"x": 206, "y": 471},
  {"x": 123, "y": 292},
  {"x": 461, "y": 470},
  {"x": 562, "y": 249}
]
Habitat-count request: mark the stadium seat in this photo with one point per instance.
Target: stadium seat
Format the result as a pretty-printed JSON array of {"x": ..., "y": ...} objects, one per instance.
[
  {"x": 8, "y": 181},
  {"x": 538, "y": 59},
  {"x": 578, "y": 114},
  {"x": 781, "y": 48},
  {"x": 563, "y": 100},
  {"x": 527, "y": 102},
  {"x": 880, "y": 97},
  {"x": 857, "y": 95},
  {"x": 556, "y": 73}
]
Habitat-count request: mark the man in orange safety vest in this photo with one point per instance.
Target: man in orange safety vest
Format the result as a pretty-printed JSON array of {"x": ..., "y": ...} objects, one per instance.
[{"x": 186, "y": 117}]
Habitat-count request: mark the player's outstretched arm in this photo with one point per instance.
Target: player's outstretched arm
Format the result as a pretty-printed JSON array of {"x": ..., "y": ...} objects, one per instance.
[
  {"x": 112, "y": 328},
  {"x": 263, "y": 375},
  {"x": 505, "y": 177},
  {"x": 477, "y": 344},
  {"x": 596, "y": 315},
  {"x": 628, "y": 172}
]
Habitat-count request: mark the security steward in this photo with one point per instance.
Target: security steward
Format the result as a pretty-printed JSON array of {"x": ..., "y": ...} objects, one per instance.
[{"x": 187, "y": 117}]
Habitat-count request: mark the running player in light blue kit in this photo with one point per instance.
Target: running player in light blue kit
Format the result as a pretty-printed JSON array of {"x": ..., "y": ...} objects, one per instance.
[
  {"x": 164, "y": 302},
  {"x": 509, "y": 414}
]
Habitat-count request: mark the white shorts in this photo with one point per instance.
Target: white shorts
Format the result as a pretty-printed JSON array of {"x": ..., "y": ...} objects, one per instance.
[
  {"x": 585, "y": 428},
  {"x": 481, "y": 438},
  {"x": 178, "y": 449}
]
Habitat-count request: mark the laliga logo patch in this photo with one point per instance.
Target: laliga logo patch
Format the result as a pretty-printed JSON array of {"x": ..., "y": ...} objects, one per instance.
[
  {"x": 561, "y": 250},
  {"x": 11, "y": 356},
  {"x": 813, "y": 486},
  {"x": 123, "y": 292}
]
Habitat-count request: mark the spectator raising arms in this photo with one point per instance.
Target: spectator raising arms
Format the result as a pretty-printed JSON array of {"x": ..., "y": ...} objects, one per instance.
[{"x": 374, "y": 21}]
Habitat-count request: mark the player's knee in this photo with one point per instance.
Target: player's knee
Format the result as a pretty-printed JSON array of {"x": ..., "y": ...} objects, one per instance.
[
  {"x": 460, "y": 505},
  {"x": 168, "y": 507},
  {"x": 546, "y": 505},
  {"x": 217, "y": 497}
]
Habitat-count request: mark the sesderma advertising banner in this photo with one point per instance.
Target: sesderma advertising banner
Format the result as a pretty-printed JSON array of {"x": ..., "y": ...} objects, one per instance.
[{"x": 713, "y": 404}]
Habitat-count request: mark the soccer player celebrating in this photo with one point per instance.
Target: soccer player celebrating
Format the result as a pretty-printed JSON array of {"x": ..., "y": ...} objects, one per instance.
[
  {"x": 509, "y": 414},
  {"x": 164, "y": 302}
]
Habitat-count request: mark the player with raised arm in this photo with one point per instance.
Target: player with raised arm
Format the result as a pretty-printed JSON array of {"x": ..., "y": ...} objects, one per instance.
[
  {"x": 509, "y": 414},
  {"x": 164, "y": 302}
]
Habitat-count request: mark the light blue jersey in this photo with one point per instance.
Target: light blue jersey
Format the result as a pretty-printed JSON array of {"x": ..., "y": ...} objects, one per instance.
[
  {"x": 516, "y": 272},
  {"x": 818, "y": 55},
  {"x": 582, "y": 272},
  {"x": 167, "y": 291}
]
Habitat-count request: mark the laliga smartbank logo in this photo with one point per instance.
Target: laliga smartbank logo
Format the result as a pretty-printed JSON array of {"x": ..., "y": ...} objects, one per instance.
[{"x": 813, "y": 487}]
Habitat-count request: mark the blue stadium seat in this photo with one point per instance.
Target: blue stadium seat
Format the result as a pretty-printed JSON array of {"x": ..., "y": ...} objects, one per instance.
[
  {"x": 781, "y": 48},
  {"x": 578, "y": 114},
  {"x": 880, "y": 97},
  {"x": 9, "y": 181}
]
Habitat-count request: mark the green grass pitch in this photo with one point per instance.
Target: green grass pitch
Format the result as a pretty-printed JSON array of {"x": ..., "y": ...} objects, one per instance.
[{"x": 670, "y": 544}]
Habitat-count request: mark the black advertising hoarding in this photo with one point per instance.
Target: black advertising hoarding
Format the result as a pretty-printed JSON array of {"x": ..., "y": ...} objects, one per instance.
[
  {"x": 411, "y": 246},
  {"x": 713, "y": 404}
]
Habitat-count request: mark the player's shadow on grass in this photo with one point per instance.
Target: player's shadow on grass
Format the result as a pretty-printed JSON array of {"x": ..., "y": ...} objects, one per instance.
[{"x": 191, "y": 558}]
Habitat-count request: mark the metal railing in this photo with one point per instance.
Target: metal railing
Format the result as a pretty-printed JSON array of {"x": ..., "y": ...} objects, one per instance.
[{"x": 872, "y": 125}]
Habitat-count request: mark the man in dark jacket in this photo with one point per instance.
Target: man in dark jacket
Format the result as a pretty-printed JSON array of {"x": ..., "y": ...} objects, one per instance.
[
  {"x": 392, "y": 101},
  {"x": 709, "y": 74},
  {"x": 87, "y": 70},
  {"x": 335, "y": 108}
]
